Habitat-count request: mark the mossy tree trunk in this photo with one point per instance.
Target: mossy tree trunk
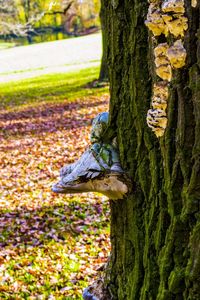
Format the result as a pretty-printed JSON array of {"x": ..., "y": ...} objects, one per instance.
[{"x": 155, "y": 230}]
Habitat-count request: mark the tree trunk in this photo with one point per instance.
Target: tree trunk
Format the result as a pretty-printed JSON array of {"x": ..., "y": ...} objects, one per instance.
[
  {"x": 103, "y": 75},
  {"x": 27, "y": 10},
  {"x": 155, "y": 230}
]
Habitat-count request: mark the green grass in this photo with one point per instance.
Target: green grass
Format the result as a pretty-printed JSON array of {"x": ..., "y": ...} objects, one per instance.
[
  {"x": 60, "y": 264},
  {"x": 4, "y": 45},
  {"x": 49, "y": 88}
]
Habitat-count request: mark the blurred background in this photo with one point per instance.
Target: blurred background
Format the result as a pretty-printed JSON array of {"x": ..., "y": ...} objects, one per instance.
[{"x": 28, "y": 21}]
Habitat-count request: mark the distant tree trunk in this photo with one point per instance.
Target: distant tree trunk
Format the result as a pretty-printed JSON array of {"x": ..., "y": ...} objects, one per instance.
[
  {"x": 27, "y": 10},
  {"x": 155, "y": 230},
  {"x": 103, "y": 75}
]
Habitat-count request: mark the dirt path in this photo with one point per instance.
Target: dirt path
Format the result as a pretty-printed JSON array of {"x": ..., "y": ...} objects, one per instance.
[{"x": 51, "y": 57}]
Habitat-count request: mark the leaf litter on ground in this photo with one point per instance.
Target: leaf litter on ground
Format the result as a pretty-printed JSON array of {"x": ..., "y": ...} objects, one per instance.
[{"x": 51, "y": 246}]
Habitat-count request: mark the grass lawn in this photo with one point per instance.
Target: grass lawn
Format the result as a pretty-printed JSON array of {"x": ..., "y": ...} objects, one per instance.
[
  {"x": 52, "y": 88},
  {"x": 50, "y": 245},
  {"x": 4, "y": 45}
]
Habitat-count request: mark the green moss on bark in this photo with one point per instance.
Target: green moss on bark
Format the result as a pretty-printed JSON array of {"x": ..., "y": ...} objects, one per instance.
[{"x": 155, "y": 230}]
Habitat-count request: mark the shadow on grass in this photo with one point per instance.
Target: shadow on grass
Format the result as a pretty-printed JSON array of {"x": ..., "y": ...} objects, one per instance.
[
  {"x": 38, "y": 227},
  {"x": 49, "y": 117}
]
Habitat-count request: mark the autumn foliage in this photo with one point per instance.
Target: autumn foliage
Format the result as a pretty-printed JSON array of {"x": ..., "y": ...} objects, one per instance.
[{"x": 50, "y": 245}]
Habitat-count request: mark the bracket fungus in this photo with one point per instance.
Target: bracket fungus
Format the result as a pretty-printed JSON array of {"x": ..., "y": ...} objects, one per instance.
[
  {"x": 176, "y": 24},
  {"x": 163, "y": 67},
  {"x": 160, "y": 95},
  {"x": 154, "y": 21},
  {"x": 160, "y": 90},
  {"x": 157, "y": 121},
  {"x": 167, "y": 18},
  {"x": 194, "y": 3},
  {"x": 177, "y": 54},
  {"x": 97, "y": 170},
  {"x": 176, "y": 6}
]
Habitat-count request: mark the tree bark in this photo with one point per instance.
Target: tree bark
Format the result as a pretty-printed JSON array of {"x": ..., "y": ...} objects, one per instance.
[
  {"x": 155, "y": 230},
  {"x": 27, "y": 7}
]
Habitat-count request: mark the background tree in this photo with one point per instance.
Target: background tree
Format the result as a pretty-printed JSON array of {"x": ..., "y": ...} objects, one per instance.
[
  {"x": 33, "y": 12},
  {"x": 103, "y": 75},
  {"x": 155, "y": 230},
  {"x": 19, "y": 17},
  {"x": 29, "y": 17},
  {"x": 81, "y": 17},
  {"x": 9, "y": 21}
]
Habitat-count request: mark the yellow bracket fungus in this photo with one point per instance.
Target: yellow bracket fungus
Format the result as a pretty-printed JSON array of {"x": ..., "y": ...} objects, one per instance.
[
  {"x": 163, "y": 67},
  {"x": 176, "y": 6},
  {"x": 160, "y": 95},
  {"x": 176, "y": 24},
  {"x": 161, "y": 49},
  {"x": 155, "y": 21},
  {"x": 157, "y": 121},
  {"x": 160, "y": 90},
  {"x": 159, "y": 103},
  {"x": 194, "y": 3},
  {"x": 177, "y": 55},
  {"x": 164, "y": 72},
  {"x": 165, "y": 17}
]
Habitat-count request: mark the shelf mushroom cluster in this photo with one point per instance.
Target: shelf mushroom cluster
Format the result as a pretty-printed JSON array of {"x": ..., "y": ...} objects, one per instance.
[
  {"x": 194, "y": 3},
  {"x": 156, "y": 117},
  {"x": 165, "y": 18}
]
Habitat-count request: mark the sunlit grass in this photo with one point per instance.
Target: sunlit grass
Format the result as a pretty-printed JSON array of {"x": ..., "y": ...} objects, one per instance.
[
  {"x": 4, "y": 45},
  {"x": 49, "y": 88}
]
